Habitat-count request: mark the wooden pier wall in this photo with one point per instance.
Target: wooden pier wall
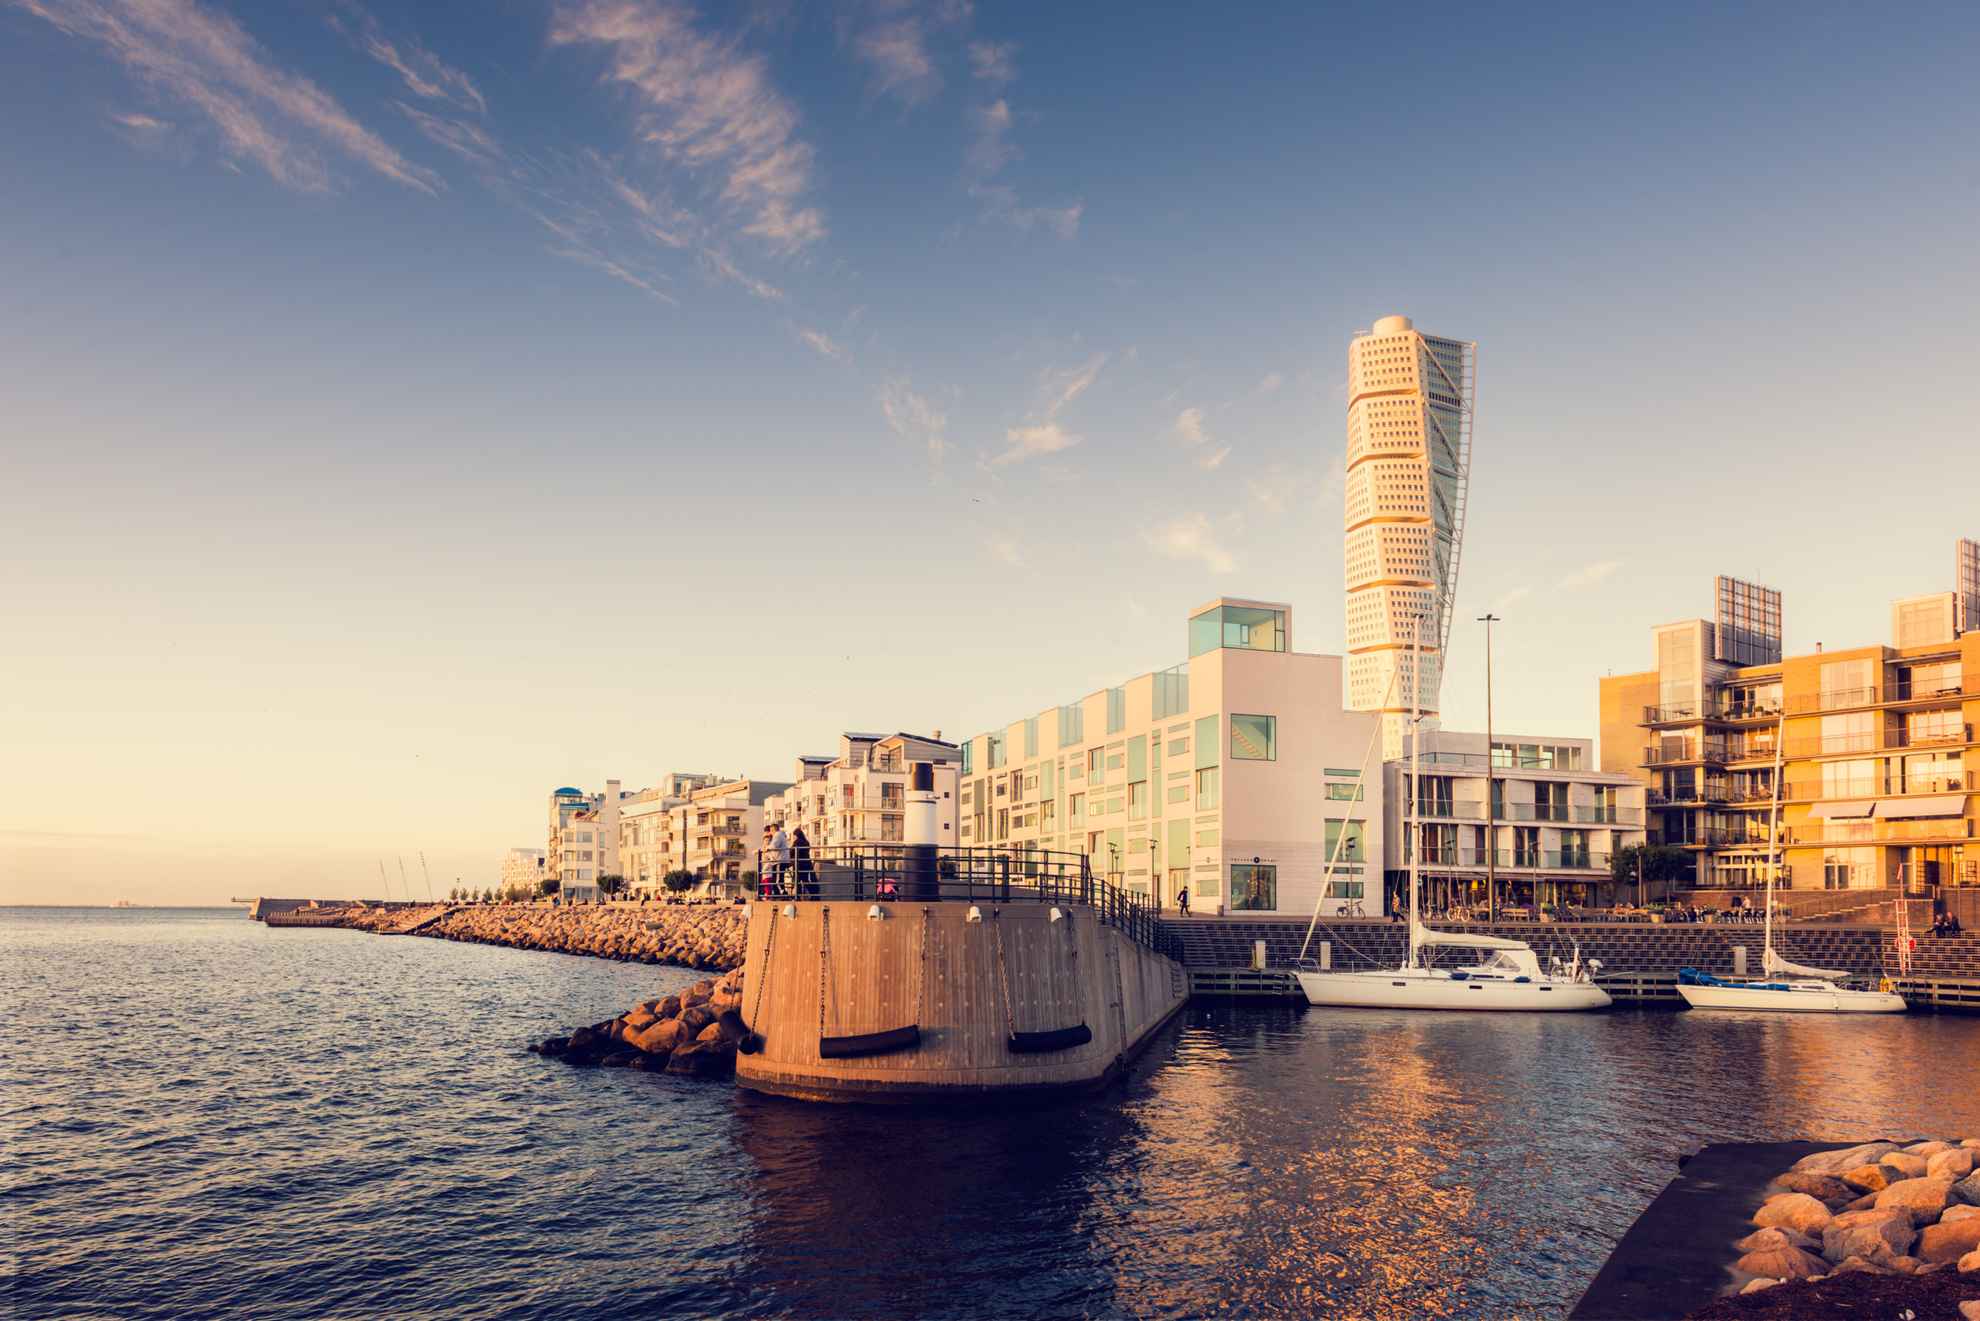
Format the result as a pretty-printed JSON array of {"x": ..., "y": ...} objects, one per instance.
[{"x": 927, "y": 964}]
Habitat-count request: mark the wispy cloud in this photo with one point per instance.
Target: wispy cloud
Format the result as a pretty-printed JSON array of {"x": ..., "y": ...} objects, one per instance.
[
  {"x": 991, "y": 149},
  {"x": 208, "y": 61},
  {"x": 466, "y": 139},
  {"x": 705, "y": 105},
  {"x": 897, "y": 52},
  {"x": 1590, "y": 574},
  {"x": 1004, "y": 550},
  {"x": 993, "y": 62},
  {"x": 823, "y": 343},
  {"x": 1190, "y": 537},
  {"x": 645, "y": 283},
  {"x": 727, "y": 269},
  {"x": 425, "y": 74},
  {"x": 1032, "y": 441},
  {"x": 1189, "y": 428},
  {"x": 1062, "y": 387},
  {"x": 912, "y": 417},
  {"x": 1272, "y": 381},
  {"x": 1506, "y": 600}
]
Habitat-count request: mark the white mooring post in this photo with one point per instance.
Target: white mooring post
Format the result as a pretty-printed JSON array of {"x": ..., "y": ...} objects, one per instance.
[
  {"x": 1739, "y": 960},
  {"x": 1258, "y": 956},
  {"x": 1326, "y": 956},
  {"x": 918, "y": 833}
]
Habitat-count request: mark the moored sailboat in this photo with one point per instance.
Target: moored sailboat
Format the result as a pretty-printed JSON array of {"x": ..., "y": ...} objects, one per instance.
[
  {"x": 1784, "y": 987},
  {"x": 1508, "y": 976}
]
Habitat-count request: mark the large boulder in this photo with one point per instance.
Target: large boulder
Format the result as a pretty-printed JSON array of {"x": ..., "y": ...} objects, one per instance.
[
  {"x": 1948, "y": 1243},
  {"x": 1797, "y": 1211},
  {"x": 1954, "y": 1214},
  {"x": 668, "y": 1007},
  {"x": 640, "y": 1018},
  {"x": 1924, "y": 1198},
  {"x": 1968, "y": 1189},
  {"x": 1871, "y": 1234},
  {"x": 1928, "y": 1149},
  {"x": 1953, "y": 1163},
  {"x": 1907, "y": 1165},
  {"x": 1825, "y": 1186},
  {"x": 695, "y": 1018},
  {"x": 658, "y": 1038},
  {"x": 703, "y": 1059},
  {"x": 1845, "y": 1158},
  {"x": 1970, "y": 1264},
  {"x": 1869, "y": 1178},
  {"x": 1782, "y": 1264},
  {"x": 699, "y": 993},
  {"x": 1762, "y": 1239}
]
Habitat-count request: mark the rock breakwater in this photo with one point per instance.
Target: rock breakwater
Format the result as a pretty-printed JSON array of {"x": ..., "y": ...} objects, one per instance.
[
  {"x": 693, "y": 936},
  {"x": 696, "y": 1033},
  {"x": 1899, "y": 1212}
]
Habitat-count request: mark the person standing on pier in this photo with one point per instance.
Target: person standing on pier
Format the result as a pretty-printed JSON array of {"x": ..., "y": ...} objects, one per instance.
[
  {"x": 807, "y": 880},
  {"x": 780, "y": 857}
]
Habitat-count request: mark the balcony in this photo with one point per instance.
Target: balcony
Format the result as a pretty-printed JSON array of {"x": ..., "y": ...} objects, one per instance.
[
  {"x": 1444, "y": 809},
  {"x": 1816, "y": 791},
  {"x": 1518, "y": 859},
  {"x": 1710, "y": 755},
  {"x": 1688, "y": 713},
  {"x": 1949, "y": 828},
  {"x": 1834, "y": 700},
  {"x": 1897, "y": 740}
]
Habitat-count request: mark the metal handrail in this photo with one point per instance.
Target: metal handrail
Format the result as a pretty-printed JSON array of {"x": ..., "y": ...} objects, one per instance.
[{"x": 888, "y": 872}]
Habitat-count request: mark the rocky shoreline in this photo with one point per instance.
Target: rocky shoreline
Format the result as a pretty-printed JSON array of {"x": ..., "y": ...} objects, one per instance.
[
  {"x": 696, "y": 1033},
  {"x": 1897, "y": 1224},
  {"x": 709, "y": 937}
]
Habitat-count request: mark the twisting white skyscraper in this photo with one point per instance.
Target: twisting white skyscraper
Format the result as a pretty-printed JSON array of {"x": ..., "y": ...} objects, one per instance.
[{"x": 1408, "y": 468}]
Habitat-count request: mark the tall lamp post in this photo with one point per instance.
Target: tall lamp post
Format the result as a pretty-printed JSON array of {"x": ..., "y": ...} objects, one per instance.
[{"x": 1491, "y": 783}]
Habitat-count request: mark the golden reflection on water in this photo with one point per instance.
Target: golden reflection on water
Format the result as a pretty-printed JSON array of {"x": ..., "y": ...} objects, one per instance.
[{"x": 1339, "y": 1164}]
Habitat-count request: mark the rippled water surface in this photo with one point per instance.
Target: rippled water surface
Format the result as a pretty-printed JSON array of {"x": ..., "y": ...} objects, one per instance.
[{"x": 203, "y": 1116}]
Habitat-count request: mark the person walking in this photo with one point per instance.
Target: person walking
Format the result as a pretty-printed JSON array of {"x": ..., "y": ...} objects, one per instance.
[
  {"x": 1182, "y": 901},
  {"x": 807, "y": 880}
]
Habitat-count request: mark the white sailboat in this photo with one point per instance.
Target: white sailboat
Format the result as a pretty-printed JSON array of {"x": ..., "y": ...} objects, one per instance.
[
  {"x": 1509, "y": 975},
  {"x": 1784, "y": 987}
]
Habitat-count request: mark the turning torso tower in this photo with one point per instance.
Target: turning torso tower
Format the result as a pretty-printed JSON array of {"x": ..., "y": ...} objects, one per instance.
[{"x": 1408, "y": 466}]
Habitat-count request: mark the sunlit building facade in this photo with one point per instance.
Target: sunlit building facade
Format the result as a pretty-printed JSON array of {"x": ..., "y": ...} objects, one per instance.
[
  {"x": 1408, "y": 470},
  {"x": 1230, "y": 775}
]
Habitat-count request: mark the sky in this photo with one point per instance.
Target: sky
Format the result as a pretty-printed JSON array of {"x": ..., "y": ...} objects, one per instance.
[{"x": 405, "y": 411}]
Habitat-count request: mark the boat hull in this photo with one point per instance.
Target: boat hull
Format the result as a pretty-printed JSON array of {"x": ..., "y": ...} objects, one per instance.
[
  {"x": 1793, "y": 999},
  {"x": 1435, "y": 988}
]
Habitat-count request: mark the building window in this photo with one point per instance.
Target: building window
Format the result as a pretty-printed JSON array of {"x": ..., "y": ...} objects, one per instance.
[
  {"x": 1247, "y": 628},
  {"x": 1116, "y": 710},
  {"x": 1206, "y": 742},
  {"x": 1254, "y": 738},
  {"x": 1137, "y": 803},
  {"x": 1096, "y": 761},
  {"x": 1207, "y": 789},
  {"x": 1254, "y": 887},
  {"x": 1344, "y": 793},
  {"x": 1354, "y": 850}
]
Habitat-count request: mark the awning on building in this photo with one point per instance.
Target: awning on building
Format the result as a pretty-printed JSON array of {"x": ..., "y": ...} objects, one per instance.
[
  {"x": 1926, "y": 805},
  {"x": 1843, "y": 807}
]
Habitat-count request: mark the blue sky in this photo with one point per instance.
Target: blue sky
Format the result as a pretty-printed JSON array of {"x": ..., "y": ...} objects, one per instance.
[{"x": 409, "y": 410}]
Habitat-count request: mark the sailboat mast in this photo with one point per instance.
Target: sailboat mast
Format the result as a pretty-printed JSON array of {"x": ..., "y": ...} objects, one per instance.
[
  {"x": 384, "y": 884},
  {"x": 1415, "y": 782},
  {"x": 427, "y": 874},
  {"x": 404, "y": 884},
  {"x": 1774, "y": 837}
]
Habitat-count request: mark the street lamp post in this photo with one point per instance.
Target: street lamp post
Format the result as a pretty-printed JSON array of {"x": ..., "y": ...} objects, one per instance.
[{"x": 1491, "y": 781}]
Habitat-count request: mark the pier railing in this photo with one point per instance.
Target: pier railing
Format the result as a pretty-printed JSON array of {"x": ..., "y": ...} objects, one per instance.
[{"x": 890, "y": 872}]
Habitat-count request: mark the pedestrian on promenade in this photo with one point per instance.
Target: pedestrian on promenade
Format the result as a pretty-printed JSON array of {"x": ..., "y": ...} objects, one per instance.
[
  {"x": 807, "y": 880},
  {"x": 780, "y": 858},
  {"x": 1182, "y": 900}
]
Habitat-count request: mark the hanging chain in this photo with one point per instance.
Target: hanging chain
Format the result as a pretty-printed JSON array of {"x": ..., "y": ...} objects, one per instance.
[
  {"x": 1003, "y": 974},
  {"x": 824, "y": 961},
  {"x": 921, "y": 985},
  {"x": 763, "y": 972}
]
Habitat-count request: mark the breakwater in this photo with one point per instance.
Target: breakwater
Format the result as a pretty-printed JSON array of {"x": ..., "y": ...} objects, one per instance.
[{"x": 705, "y": 936}]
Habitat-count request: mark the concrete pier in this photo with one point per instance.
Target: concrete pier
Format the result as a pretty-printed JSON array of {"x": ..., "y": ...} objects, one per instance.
[{"x": 968, "y": 977}]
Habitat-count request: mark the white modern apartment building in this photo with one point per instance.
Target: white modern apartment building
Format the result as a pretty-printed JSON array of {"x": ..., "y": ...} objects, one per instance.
[
  {"x": 584, "y": 835},
  {"x": 1408, "y": 469},
  {"x": 716, "y": 833},
  {"x": 522, "y": 869},
  {"x": 860, "y": 795},
  {"x": 1231, "y": 774},
  {"x": 1550, "y": 819},
  {"x": 648, "y": 848}
]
